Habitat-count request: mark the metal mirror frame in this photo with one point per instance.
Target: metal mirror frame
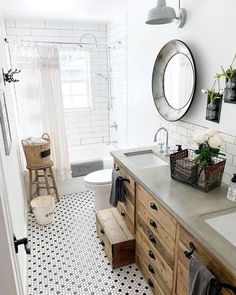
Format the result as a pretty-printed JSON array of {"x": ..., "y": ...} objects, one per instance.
[{"x": 168, "y": 51}]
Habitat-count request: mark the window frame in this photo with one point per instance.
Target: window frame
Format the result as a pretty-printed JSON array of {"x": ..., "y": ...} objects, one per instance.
[{"x": 88, "y": 83}]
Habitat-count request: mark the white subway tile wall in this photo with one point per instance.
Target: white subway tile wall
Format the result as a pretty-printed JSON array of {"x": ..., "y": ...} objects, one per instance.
[
  {"x": 83, "y": 127},
  {"x": 181, "y": 133},
  {"x": 116, "y": 34}
]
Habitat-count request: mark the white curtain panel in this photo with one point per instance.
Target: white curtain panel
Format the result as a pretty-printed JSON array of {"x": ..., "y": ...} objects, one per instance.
[{"x": 40, "y": 102}]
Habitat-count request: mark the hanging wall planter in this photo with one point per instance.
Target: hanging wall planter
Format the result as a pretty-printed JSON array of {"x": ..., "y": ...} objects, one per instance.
[{"x": 214, "y": 103}]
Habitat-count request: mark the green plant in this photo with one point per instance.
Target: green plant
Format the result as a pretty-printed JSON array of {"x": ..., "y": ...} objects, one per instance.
[{"x": 226, "y": 73}]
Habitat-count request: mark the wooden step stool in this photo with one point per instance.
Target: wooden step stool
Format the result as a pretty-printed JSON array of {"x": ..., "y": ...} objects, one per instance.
[
  {"x": 49, "y": 183},
  {"x": 118, "y": 242}
]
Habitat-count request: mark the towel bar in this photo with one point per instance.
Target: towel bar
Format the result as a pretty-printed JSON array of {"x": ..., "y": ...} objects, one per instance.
[{"x": 219, "y": 285}]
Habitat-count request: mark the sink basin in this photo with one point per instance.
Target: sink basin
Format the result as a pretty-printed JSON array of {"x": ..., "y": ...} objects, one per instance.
[
  {"x": 145, "y": 159},
  {"x": 224, "y": 225}
]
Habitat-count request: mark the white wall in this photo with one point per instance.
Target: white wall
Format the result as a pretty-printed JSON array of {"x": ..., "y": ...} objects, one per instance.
[
  {"x": 209, "y": 34},
  {"x": 83, "y": 127},
  {"x": 117, "y": 32}
]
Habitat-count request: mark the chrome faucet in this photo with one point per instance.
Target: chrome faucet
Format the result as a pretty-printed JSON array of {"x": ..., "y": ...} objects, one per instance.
[{"x": 165, "y": 151}]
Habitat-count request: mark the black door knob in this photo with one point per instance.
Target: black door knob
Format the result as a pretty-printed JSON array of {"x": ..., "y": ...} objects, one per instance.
[
  {"x": 151, "y": 269},
  {"x": 153, "y": 206},
  {"x": 23, "y": 241},
  {"x": 152, "y": 239},
  {"x": 153, "y": 223},
  {"x": 150, "y": 253}
]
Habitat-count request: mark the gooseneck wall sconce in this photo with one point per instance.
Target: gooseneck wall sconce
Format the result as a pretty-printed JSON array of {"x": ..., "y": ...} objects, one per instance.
[{"x": 162, "y": 14}]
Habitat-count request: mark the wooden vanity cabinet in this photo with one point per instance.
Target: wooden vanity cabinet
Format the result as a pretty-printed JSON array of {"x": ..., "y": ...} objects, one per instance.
[
  {"x": 161, "y": 242},
  {"x": 182, "y": 266}
]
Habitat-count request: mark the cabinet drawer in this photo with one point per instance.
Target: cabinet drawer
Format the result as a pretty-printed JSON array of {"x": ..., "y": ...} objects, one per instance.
[
  {"x": 206, "y": 259},
  {"x": 155, "y": 241},
  {"x": 126, "y": 211},
  {"x": 156, "y": 267},
  {"x": 152, "y": 222},
  {"x": 153, "y": 286},
  {"x": 130, "y": 184},
  {"x": 160, "y": 214}
]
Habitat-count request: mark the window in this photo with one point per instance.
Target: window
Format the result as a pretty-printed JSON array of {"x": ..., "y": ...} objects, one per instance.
[{"x": 75, "y": 79}]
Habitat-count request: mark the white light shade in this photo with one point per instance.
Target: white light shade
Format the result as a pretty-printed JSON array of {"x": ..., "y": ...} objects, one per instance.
[{"x": 161, "y": 14}]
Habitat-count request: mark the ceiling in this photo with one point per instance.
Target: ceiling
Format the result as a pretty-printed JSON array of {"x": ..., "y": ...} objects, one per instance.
[{"x": 90, "y": 10}]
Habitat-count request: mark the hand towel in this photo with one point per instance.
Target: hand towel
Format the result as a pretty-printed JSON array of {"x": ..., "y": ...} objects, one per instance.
[
  {"x": 117, "y": 189},
  {"x": 201, "y": 280}
]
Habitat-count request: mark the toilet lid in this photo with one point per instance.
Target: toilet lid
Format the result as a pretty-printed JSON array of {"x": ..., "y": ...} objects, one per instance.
[{"x": 99, "y": 177}]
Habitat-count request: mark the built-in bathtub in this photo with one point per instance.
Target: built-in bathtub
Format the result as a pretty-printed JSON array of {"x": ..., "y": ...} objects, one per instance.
[{"x": 92, "y": 152}]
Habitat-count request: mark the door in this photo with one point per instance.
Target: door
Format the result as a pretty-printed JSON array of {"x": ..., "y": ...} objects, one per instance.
[{"x": 12, "y": 191}]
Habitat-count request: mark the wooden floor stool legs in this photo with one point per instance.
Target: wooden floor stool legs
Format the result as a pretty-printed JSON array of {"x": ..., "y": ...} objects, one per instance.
[{"x": 41, "y": 180}]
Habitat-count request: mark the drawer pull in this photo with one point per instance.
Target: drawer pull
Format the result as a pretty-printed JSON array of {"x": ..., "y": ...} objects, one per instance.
[
  {"x": 122, "y": 213},
  {"x": 153, "y": 223},
  {"x": 152, "y": 239},
  {"x": 153, "y": 206},
  {"x": 150, "y": 253},
  {"x": 189, "y": 254},
  {"x": 150, "y": 283},
  {"x": 151, "y": 269},
  {"x": 102, "y": 231}
]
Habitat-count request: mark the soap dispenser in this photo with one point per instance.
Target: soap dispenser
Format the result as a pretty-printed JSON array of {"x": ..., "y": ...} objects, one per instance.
[{"x": 231, "y": 195}]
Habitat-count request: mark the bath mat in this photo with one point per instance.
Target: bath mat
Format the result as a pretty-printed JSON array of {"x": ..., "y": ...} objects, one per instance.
[{"x": 84, "y": 168}]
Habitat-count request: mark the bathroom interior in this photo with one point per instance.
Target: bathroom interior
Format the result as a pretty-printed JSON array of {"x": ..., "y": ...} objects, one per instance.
[{"x": 117, "y": 147}]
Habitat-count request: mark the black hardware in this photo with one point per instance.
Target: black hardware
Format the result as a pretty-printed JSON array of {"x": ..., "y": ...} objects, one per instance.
[
  {"x": 23, "y": 241},
  {"x": 150, "y": 253},
  {"x": 153, "y": 206},
  {"x": 218, "y": 284},
  {"x": 151, "y": 269},
  {"x": 117, "y": 169},
  {"x": 152, "y": 239},
  {"x": 150, "y": 283},
  {"x": 102, "y": 243},
  {"x": 122, "y": 213},
  {"x": 102, "y": 231},
  {"x": 8, "y": 77},
  {"x": 189, "y": 254},
  {"x": 179, "y": 146},
  {"x": 153, "y": 223},
  {"x": 46, "y": 153},
  {"x": 125, "y": 179}
]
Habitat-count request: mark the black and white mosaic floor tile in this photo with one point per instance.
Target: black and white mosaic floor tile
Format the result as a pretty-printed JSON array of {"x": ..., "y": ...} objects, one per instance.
[{"x": 67, "y": 259}]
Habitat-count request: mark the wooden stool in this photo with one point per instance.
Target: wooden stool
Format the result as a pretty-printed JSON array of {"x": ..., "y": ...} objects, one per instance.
[{"x": 47, "y": 174}]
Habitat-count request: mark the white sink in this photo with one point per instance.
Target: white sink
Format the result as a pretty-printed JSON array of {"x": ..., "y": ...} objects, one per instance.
[
  {"x": 225, "y": 225},
  {"x": 145, "y": 159}
]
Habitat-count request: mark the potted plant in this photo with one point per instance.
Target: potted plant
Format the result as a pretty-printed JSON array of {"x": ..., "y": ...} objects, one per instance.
[
  {"x": 214, "y": 102},
  {"x": 230, "y": 82}
]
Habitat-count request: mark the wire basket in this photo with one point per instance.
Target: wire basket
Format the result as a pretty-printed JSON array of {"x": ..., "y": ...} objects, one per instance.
[{"x": 185, "y": 170}]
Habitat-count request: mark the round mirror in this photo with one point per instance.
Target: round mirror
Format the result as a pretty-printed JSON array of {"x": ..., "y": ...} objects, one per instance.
[{"x": 174, "y": 80}]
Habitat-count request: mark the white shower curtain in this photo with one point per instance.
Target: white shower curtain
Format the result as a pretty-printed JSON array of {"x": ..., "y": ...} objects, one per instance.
[{"x": 40, "y": 102}]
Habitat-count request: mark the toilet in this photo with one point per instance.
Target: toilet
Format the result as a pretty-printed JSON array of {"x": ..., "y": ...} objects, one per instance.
[{"x": 100, "y": 183}]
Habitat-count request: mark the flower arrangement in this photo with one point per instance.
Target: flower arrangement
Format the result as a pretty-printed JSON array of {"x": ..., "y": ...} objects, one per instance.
[{"x": 209, "y": 143}]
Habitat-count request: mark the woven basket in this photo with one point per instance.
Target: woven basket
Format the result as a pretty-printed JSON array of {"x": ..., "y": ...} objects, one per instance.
[
  {"x": 204, "y": 179},
  {"x": 37, "y": 155}
]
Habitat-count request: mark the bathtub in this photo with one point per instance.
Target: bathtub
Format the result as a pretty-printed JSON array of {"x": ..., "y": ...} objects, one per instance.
[{"x": 91, "y": 152}]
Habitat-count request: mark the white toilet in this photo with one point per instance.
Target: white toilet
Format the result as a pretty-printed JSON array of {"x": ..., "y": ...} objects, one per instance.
[{"x": 100, "y": 183}]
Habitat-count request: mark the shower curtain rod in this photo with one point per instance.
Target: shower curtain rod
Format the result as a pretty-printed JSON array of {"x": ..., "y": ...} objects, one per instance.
[{"x": 7, "y": 40}]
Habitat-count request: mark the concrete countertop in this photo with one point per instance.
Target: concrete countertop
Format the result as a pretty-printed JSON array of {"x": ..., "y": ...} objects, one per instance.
[{"x": 188, "y": 205}]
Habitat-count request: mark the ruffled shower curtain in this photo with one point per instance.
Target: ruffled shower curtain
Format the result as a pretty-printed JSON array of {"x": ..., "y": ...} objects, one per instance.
[{"x": 40, "y": 101}]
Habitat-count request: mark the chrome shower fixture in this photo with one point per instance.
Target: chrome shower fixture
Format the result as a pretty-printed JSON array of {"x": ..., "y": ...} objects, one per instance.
[{"x": 163, "y": 14}]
